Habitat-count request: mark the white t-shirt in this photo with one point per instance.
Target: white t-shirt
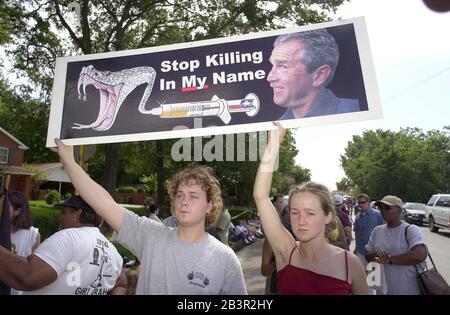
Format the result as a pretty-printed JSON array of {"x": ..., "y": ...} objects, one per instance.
[
  {"x": 85, "y": 261},
  {"x": 22, "y": 242},
  {"x": 400, "y": 279}
]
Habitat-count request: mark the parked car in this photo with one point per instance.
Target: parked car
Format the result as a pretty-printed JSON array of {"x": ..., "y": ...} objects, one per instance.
[
  {"x": 439, "y": 212},
  {"x": 415, "y": 212}
]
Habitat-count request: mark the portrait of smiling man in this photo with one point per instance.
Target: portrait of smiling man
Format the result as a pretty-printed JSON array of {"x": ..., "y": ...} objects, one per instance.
[{"x": 303, "y": 64}]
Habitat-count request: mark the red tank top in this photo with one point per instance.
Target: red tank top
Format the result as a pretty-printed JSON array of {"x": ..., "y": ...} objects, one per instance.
[{"x": 298, "y": 281}]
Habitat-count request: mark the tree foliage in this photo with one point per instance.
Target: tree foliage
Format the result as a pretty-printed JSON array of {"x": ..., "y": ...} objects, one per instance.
[
  {"x": 411, "y": 164},
  {"x": 344, "y": 185},
  {"x": 45, "y": 29},
  {"x": 235, "y": 176},
  {"x": 37, "y": 178},
  {"x": 5, "y": 29},
  {"x": 26, "y": 119}
]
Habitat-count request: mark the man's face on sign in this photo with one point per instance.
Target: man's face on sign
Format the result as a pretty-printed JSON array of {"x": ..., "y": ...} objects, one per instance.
[{"x": 289, "y": 77}]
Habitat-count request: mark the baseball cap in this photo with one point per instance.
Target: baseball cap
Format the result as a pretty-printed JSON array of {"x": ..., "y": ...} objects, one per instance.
[
  {"x": 338, "y": 199},
  {"x": 76, "y": 202},
  {"x": 390, "y": 201}
]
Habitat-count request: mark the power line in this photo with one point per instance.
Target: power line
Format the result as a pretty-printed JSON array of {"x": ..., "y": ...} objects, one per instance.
[{"x": 416, "y": 85}]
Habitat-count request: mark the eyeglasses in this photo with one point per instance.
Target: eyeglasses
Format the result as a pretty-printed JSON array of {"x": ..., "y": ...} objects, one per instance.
[{"x": 362, "y": 202}]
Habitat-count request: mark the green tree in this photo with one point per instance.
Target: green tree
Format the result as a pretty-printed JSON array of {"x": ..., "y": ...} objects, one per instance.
[
  {"x": 5, "y": 29},
  {"x": 410, "y": 163},
  {"x": 236, "y": 177},
  {"x": 149, "y": 182},
  {"x": 344, "y": 185},
  {"x": 37, "y": 178},
  {"x": 46, "y": 29},
  {"x": 26, "y": 119},
  {"x": 288, "y": 174}
]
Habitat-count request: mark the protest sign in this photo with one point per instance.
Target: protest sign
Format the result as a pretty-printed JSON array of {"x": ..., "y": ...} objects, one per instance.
[{"x": 219, "y": 86}]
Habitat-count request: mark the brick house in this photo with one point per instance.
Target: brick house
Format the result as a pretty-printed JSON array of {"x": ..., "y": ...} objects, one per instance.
[
  {"x": 12, "y": 174},
  {"x": 16, "y": 177}
]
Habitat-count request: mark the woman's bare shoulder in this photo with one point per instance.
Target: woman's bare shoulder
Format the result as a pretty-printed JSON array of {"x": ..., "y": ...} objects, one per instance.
[{"x": 335, "y": 252}]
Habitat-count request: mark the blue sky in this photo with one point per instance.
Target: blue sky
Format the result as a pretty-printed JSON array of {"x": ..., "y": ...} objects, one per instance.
[{"x": 411, "y": 53}]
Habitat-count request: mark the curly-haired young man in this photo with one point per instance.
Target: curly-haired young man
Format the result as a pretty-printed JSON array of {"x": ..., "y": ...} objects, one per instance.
[{"x": 184, "y": 260}]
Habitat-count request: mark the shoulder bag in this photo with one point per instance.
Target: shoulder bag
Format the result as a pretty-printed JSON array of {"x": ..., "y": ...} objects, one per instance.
[{"x": 430, "y": 280}]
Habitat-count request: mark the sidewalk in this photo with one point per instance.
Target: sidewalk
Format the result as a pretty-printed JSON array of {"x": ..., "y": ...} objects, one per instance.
[{"x": 250, "y": 258}]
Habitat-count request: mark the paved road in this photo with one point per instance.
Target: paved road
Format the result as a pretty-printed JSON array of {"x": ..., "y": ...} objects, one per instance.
[
  {"x": 250, "y": 258},
  {"x": 439, "y": 246}
]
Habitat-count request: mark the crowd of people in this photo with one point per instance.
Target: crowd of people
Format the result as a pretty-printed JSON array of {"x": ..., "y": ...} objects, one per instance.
[
  {"x": 306, "y": 250},
  {"x": 307, "y": 234}
]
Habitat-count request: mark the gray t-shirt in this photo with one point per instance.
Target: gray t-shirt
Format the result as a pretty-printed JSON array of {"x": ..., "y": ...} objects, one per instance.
[
  {"x": 171, "y": 266},
  {"x": 400, "y": 279}
]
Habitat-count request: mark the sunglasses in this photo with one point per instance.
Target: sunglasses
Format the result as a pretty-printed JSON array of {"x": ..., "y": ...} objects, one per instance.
[{"x": 385, "y": 207}]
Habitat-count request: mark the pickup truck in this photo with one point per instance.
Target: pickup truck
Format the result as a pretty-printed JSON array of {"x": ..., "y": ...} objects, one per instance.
[{"x": 438, "y": 208}]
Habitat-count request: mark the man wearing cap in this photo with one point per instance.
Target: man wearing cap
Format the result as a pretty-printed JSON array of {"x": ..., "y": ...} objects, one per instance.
[
  {"x": 366, "y": 220},
  {"x": 398, "y": 246},
  {"x": 77, "y": 260}
]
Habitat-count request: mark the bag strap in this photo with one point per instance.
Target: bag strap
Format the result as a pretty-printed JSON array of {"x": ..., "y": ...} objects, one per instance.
[{"x": 428, "y": 252}]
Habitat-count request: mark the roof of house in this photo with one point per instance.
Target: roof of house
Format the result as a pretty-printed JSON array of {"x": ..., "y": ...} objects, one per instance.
[
  {"x": 21, "y": 145},
  {"x": 15, "y": 170},
  {"x": 54, "y": 172},
  {"x": 47, "y": 166}
]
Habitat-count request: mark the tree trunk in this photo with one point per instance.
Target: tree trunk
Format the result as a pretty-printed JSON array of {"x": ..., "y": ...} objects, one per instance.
[
  {"x": 109, "y": 175},
  {"x": 160, "y": 176}
]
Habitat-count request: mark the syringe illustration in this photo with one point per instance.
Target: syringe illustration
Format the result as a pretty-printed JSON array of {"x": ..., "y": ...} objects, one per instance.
[{"x": 215, "y": 107}]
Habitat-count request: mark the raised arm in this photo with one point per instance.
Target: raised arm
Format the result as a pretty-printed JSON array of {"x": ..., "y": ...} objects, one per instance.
[
  {"x": 25, "y": 273},
  {"x": 94, "y": 194},
  {"x": 280, "y": 239}
]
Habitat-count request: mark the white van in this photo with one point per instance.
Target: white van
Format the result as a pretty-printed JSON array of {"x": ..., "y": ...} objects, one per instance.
[{"x": 439, "y": 212}]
